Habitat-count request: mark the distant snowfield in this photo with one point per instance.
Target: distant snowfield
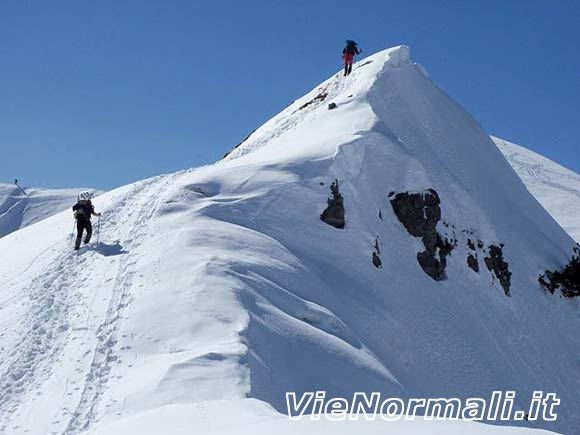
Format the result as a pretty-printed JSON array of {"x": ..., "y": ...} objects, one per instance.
[
  {"x": 215, "y": 290},
  {"x": 21, "y": 207},
  {"x": 555, "y": 187}
]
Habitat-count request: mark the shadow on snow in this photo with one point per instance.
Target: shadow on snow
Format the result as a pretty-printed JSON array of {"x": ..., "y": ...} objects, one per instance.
[{"x": 110, "y": 250}]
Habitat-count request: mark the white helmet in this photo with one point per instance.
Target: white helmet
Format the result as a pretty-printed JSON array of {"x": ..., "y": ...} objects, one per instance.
[{"x": 85, "y": 196}]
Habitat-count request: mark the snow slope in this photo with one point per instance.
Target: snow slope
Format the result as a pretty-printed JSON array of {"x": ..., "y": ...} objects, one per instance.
[
  {"x": 555, "y": 187},
  {"x": 20, "y": 207},
  {"x": 250, "y": 417},
  {"x": 221, "y": 283}
]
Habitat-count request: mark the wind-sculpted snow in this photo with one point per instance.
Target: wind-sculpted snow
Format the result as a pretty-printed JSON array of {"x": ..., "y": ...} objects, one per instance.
[{"x": 219, "y": 289}]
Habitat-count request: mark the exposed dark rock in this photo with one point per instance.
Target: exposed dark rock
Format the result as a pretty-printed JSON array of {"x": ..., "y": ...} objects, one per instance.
[
  {"x": 567, "y": 280},
  {"x": 365, "y": 64},
  {"x": 434, "y": 261},
  {"x": 479, "y": 244},
  {"x": 380, "y": 214},
  {"x": 376, "y": 258},
  {"x": 472, "y": 262},
  {"x": 320, "y": 97},
  {"x": 499, "y": 267},
  {"x": 332, "y": 106},
  {"x": 334, "y": 213},
  {"x": 419, "y": 214},
  {"x": 245, "y": 139}
]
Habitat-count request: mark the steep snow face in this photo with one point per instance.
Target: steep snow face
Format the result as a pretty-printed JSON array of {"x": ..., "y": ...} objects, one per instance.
[
  {"x": 20, "y": 207},
  {"x": 222, "y": 282},
  {"x": 555, "y": 187}
]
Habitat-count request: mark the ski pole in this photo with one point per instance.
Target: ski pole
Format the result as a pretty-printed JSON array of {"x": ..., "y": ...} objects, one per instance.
[
  {"x": 72, "y": 232},
  {"x": 359, "y": 59}
]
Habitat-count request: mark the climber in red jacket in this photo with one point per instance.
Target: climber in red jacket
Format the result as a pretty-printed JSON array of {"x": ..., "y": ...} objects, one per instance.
[{"x": 348, "y": 54}]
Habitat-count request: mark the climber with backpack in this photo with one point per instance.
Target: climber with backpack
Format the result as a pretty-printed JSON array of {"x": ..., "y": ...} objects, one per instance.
[
  {"x": 83, "y": 210},
  {"x": 348, "y": 54}
]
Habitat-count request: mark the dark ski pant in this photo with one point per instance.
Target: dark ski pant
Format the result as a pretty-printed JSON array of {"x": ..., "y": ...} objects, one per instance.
[
  {"x": 83, "y": 224},
  {"x": 348, "y": 60}
]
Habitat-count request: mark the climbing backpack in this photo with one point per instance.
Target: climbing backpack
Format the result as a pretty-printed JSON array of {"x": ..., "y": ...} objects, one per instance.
[{"x": 350, "y": 47}]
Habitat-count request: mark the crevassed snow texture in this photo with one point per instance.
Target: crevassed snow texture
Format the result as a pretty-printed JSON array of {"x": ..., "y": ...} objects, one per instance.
[
  {"x": 555, "y": 187},
  {"x": 23, "y": 206},
  {"x": 222, "y": 283}
]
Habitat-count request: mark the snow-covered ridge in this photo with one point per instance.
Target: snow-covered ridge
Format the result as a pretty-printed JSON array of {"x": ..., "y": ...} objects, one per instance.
[
  {"x": 222, "y": 282},
  {"x": 23, "y": 206},
  {"x": 305, "y": 114}
]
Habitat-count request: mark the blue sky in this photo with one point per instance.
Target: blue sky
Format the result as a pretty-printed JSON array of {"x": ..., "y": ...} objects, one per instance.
[{"x": 102, "y": 93}]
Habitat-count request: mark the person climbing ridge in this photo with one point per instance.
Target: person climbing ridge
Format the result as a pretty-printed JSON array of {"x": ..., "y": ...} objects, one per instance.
[
  {"x": 83, "y": 210},
  {"x": 348, "y": 54}
]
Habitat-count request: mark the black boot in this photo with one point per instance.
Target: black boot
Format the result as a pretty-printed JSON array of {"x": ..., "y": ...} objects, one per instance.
[
  {"x": 345, "y": 70},
  {"x": 349, "y": 69},
  {"x": 77, "y": 243}
]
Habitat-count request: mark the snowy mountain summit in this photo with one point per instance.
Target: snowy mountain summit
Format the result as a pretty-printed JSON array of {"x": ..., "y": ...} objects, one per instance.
[{"x": 370, "y": 237}]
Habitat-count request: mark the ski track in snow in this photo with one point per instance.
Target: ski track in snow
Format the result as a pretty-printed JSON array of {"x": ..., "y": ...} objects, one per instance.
[
  {"x": 540, "y": 173},
  {"x": 46, "y": 320},
  {"x": 104, "y": 354},
  {"x": 554, "y": 186},
  {"x": 58, "y": 311}
]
